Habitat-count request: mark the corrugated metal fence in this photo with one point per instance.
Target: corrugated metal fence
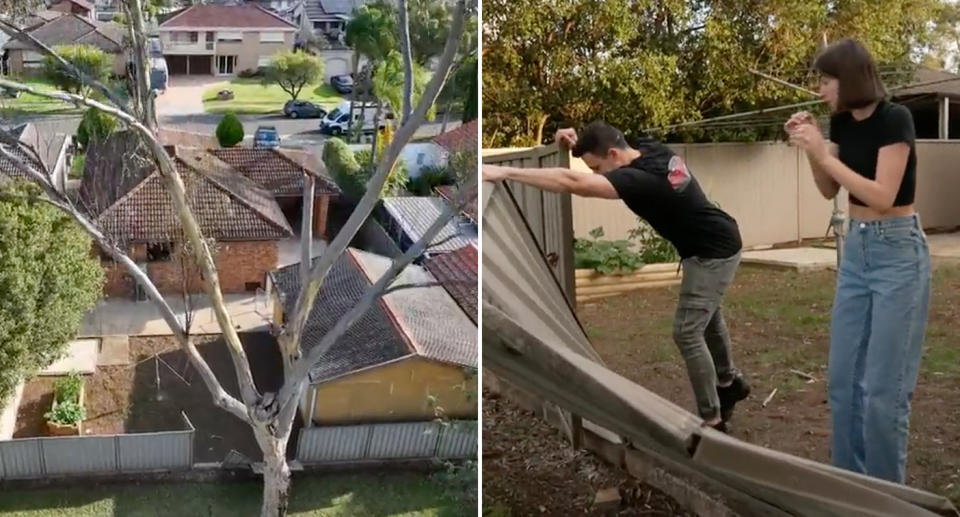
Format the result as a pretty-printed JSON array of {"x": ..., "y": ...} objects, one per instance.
[
  {"x": 32, "y": 458},
  {"x": 407, "y": 440}
]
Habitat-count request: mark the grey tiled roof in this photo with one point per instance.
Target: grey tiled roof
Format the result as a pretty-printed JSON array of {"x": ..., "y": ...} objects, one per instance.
[
  {"x": 434, "y": 323},
  {"x": 372, "y": 340},
  {"x": 124, "y": 191},
  {"x": 415, "y": 215},
  {"x": 47, "y": 146},
  {"x": 68, "y": 30},
  {"x": 272, "y": 170},
  {"x": 316, "y": 9}
]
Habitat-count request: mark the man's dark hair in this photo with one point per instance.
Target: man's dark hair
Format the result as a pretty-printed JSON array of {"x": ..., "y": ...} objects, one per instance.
[
  {"x": 853, "y": 67},
  {"x": 598, "y": 138}
]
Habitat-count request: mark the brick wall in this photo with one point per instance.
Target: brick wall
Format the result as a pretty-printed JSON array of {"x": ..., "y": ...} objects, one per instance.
[
  {"x": 321, "y": 206},
  {"x": 238, "y": 263}
]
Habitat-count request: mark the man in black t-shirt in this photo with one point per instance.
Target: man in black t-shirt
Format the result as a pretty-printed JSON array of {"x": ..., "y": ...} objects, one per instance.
[{"x": 656, "y": 184}]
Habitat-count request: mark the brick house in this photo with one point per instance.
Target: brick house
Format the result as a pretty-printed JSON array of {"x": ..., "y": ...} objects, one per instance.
[
  {"x": 66, "y": 29},
  {"x": 412, "y": 347},
  {"x": 223, "y": 39},
  {"x": 81, "y": 8},
  {"x": 123, "y": 191}
]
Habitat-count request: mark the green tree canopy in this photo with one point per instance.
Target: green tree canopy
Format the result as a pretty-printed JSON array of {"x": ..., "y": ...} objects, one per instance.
[
  {"x": 372, "y": 31},
  {"x": 48, "y": 278},
  {"x": 388, "y": 82},
  {"x": 90, "y": 60},
  {"x": 292, "y": 71},
  {"x": 95, "y": 125},
  {"x": 643, "y": 64}
]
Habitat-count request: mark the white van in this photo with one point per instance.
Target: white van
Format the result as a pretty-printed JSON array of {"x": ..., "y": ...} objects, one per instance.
[{"x": 337, "y": 122}]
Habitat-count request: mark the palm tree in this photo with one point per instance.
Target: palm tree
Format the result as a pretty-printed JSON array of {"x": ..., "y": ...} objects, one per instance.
[
  {"x": 372, "y": 34},
  {"x": 388, "y": 87}
]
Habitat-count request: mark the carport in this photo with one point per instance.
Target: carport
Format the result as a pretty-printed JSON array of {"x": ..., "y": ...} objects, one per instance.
[{"x": 190, "y": 65}]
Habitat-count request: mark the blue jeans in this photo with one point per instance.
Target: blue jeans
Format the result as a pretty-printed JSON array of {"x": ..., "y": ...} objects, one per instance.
[{"x": 876, "y": 340}]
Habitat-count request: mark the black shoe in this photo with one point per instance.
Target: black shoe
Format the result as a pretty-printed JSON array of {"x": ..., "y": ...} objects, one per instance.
[
  {"x": 730, "y": 395},
  {"x": 722, "y": 427}
]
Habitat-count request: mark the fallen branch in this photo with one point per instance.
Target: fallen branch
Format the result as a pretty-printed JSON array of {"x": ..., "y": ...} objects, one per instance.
[
  {"x": 807, "y": 376},
  {"x": 769, "y": 398}
]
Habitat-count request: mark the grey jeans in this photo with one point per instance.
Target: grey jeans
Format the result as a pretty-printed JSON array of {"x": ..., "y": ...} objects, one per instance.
[{"x": 699, "y": 330}]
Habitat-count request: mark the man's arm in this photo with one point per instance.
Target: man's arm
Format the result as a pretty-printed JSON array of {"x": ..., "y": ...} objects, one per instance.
[{"x": 555, "y": 180}]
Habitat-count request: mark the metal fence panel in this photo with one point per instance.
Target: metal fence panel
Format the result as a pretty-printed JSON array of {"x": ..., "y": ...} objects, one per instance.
[
  {"x": 458, "y": 440},
  {"x": 79, "y": 455},
  {"x": 21, "y": 459},
  {"x": 154, "y": 451},
  {"x": 340, "y": 443},
  {"x": 404, "y": 440}
]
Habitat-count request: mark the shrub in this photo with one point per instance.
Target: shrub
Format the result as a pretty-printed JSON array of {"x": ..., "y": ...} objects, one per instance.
[
  {"x": 344, "y": 168},
  {"x": 90, "y": 60},
  {"x": 95, "y": 125},
  {"x": 229, "y": 130},
  {"x": 430, "y": 178},
  {"x": 397, "y": 180},
  {"x": 605, "y": 257},
  {"x": 654, "y": 249},
  {"x": 78, "y": 165},
  {"x": 68, "y": 388},
  {"x": 66, "y": 413},
  {"x": 250, "y": 73}
]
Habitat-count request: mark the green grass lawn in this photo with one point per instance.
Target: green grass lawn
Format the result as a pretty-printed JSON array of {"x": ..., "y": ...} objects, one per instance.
[
  {"x": 27, "y": 103},
  {"x": 253, "y": 98},
  {"x": 314, "y": 496}
]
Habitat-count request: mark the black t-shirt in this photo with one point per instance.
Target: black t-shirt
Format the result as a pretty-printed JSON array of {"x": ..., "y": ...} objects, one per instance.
[
  {"x": 860, "y": 141},
  {"x": 658, "y": 187}
]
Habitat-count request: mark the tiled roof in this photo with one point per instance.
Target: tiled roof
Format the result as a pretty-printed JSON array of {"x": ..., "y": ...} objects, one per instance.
[
  {"x": 464, "y": 137},
  {"x": 421, "y": 320},
  {"x": 49, "y": 147},
  {"x": 68, "y": 30},
  {"x": 343, "y": 9},
  {"x": 171, "y": 136},
  {"x": 39, "y": 18},
  {"x": 432, "y": 321},
  {"x": 123, "y": 190},
  {"x": 449, "y": 193},
  {"x": 227, "y": 16},
  {"x": 82, "y": 3},
  {"x": 272, "y": 170},
  {"x": 415, "y": 215},
  {"x": 372, "y": 340},
  {"x": 457, "y": 273}
]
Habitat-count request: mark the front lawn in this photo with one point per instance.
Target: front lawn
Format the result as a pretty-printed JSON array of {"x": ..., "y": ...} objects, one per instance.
[
  {"x": 253, "y": 98},
  {"x": 313, "y": 496},
  {"x": 27, "y": 103}
]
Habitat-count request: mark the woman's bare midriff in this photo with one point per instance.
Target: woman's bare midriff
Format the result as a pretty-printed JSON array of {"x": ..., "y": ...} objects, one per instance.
[{"x": 865, "y": 213}]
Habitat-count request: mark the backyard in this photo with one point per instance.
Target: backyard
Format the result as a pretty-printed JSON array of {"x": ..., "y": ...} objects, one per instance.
[
  {"x": 779, "y": 322},
  {"x": 26, "y": 103},
  {"x": 401, "y": 494},
  {"x": 253, "y": 98}
]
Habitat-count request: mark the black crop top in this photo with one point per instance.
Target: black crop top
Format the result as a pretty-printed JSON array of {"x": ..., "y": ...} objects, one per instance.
[{"x": 860, "y": 141}]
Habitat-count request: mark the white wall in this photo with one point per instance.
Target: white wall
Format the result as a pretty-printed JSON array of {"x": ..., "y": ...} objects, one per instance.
[{"x": 428, "y": 154}]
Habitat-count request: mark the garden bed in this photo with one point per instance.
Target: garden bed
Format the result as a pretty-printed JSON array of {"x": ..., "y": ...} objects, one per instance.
[
  {"x": 591, "y": 285},
  {"x": 779, "y": 322}
]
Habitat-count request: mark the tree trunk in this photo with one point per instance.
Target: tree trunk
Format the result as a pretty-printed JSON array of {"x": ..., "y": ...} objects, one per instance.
[
  {"x": 540, "y": 124},
  {"x": 276, "y": 475},
  {"x": 407, "y": 61},
  {"x": 376, "y": 132},
  {"x": 353, "y": 91}
]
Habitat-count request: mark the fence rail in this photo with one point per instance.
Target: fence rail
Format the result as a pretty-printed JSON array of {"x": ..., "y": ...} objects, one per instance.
[
  {"x": 388, "y": 441},
  {"x": 41, "y": 457}
]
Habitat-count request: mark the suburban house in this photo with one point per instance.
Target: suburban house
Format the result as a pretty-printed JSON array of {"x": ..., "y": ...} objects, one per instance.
[
  {"x": 69, "y": 29},
  {"x": 464, "y": 137},
  {"x": 327, "y": 20},
  {"x": 81, "y": 8},
  {"x": 414, "y": 353},
  {"x": 450, "y": 192},
  {"x": 105, "y": 10},
  {"x": 223, "y": 39},
  {"x": 123, "y": 191},
  {"x": 407, "y": 219},
  {"x": 52, "y": 150},
  {"x": 457, "y": 273}
]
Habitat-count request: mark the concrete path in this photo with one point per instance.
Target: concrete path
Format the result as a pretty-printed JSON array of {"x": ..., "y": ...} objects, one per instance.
[
  {"x": 184, "y": 95},
  {"x": 944, "y": 245},
  {"x": 124, "y": 317},
  {"x": 114, "y": 351},
  {"x": 81, "y": 357},
  {"x": 800, "y": 259}
]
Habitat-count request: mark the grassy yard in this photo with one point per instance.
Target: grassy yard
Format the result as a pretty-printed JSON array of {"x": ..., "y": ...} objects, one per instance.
[
  {"x": 27, "y": 103},
  {"x": 779, "y": 321},
  {"x": 252, "y": 97},
  {"x": 315, "y": 496}
]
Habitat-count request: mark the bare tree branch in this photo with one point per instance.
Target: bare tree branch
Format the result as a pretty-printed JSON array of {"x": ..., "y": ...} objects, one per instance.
[
  {"x": 407, "y": 60},
  {"x": 360, "y": 214},
  {"x": 18, "y": 33},
  {"x": 419, "y": 285},
  {"x": 143, "y": 89}
]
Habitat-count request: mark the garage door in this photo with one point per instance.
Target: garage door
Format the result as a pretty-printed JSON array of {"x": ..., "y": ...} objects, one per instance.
[
  {"x": 176, "y": 65},
  {"x": 201, "y": 65},
  {"x": 336, "y": 66}
]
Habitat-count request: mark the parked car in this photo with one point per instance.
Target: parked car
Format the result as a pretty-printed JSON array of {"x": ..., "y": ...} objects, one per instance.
[
  {"x": 337, "y": 122},
  {"x": 266, "y": 136},
  {"x": 303, "y": 109},
  {"x": 342, "y": 83}
]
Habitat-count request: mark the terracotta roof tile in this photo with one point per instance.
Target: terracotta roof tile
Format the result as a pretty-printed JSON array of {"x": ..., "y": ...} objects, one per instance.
[
  {"x": 273, "y": 171},
  {"x": 227, "y": 16},
  {"x": 457, "y": 273},
  {"x": 462, "y": 138}
]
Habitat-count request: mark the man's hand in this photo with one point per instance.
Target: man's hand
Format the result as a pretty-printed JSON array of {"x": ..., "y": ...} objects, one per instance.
[
  {"x": 493, "y": 173},
  {"x": 567, "y": 137}
]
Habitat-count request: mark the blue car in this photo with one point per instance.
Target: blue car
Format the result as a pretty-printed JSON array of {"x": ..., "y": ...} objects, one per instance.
[{"x": 267, "y": 137}]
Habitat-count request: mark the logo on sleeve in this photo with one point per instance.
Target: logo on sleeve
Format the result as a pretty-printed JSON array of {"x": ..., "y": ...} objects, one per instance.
[{"x": 677, "y": 174}]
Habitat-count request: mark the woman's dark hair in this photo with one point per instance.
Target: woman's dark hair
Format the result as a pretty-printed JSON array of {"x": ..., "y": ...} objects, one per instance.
[{"x": 853, "y": 67}]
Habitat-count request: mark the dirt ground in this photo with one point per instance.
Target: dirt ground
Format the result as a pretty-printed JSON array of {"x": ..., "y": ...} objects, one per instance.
[
  {"x": 530, "y": 469},
  {"x": 779, "y": 321},
  {"x": 150, "y": 393}
]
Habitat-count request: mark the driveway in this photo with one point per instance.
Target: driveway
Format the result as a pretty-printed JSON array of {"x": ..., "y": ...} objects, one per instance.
[{"x": 184, "y": 95}]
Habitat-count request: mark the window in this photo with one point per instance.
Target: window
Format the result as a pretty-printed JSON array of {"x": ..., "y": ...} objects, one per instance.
[
  {"x": 271, "y": 37},
  {"x": 264, "y": 61},
  {"x": 226, "y": 64},
  {"x": 320, "y": 26},
  {"x": 420, "y": 157},
  {"x": 159, "y": 252},
  {"x": 229, "y": 36},
  {"x": 343, "y": 118}
]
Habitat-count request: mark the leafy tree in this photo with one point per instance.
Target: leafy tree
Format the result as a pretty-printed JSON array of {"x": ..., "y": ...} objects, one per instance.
[
  {"x": 90, "y": 60},
  {"x": 429, "y": 24},
  {"x": 388, "y": 82},
  {"x": 229, "y": 130},
  {"x": 49, "y": 280},
  {"x": 471, "y": 103},
  {"x": 95, "y": 125},
  {"x": 371, "y": 33},
  {"x": 343, "y": 167},
  {"x": 292, "y": 71}
]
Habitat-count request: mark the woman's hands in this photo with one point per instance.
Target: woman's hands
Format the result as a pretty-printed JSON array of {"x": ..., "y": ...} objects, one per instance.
[{"x": 805, "y": 133}]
